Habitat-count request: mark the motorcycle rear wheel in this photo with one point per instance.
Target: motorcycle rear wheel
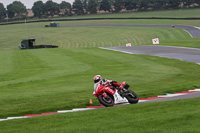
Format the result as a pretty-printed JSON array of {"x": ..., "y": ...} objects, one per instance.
[
  {"x": 108, "y": 101},
  {"x": 131, "y": 97}
]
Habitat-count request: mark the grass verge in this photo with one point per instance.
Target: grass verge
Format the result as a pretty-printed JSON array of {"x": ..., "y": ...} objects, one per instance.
[
  {"x": 159, "y": 117},
  {"x": 75, "y": 37},
  {"x": 45, "y": 80}
]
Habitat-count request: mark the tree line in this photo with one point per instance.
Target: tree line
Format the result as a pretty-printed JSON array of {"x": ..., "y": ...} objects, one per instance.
[{"x": 79, "y": 7}]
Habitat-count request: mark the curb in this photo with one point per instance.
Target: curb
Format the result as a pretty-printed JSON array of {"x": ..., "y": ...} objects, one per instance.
[{"x": 101, "y": 106}]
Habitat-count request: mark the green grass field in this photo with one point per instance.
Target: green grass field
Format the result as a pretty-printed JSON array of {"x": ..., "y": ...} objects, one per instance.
[
  {"x": 46, "y": 80},
  {"x": 76, "y": 37},
  {"x": 161, "y": 117},
  {"x": 179, "y": 13}
]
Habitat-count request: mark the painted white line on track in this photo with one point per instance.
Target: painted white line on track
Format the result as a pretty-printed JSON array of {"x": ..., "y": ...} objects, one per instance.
[
  {"x": 171, "y": 95},
  {"x": 81, "y": 109},
  {"x": 195, "y": 90},
  {"x": 116, "y": 50},
  {"x": 197, "y": 27},
  {"x": 188, "y": 33},
  {"x": 3, "y": 119},
  {"x": 19, "y": 117},
  {"x": 141, "y": 101},
  {"x": 64, "y": 111},
  {"x": 74, "y": 110}
]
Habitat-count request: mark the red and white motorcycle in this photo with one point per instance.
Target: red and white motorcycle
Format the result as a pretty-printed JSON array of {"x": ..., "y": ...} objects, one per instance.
[{"x": 110, "y": 95}]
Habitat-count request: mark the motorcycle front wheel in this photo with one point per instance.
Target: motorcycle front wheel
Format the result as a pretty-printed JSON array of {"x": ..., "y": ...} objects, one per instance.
[
  {"x": 131, "y": 97},
  {"x": 108, "y": 101}
]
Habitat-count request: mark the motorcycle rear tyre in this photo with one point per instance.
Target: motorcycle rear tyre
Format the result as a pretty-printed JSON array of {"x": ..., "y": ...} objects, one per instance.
[
  {"x": 131, "y": 99},
  {"x": 105, "y": 102}
]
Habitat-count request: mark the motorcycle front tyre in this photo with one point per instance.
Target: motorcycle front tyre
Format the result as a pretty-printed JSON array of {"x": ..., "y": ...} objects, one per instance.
[
  {"x": 108, "y": 101},
  {"x": 132, "y": 99}
]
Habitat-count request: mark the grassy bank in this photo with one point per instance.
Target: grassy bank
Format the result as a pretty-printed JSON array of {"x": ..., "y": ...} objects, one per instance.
[
  {"x": 75, "y": 37},
  {"x": 160, "y": 117},
  {"x": 45, "y": 80}
]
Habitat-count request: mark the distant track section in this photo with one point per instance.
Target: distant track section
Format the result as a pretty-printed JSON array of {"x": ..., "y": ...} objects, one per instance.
[
  {"x": 193, "y": 31},
  {"x": 180, "y": 53},
  {"x": 81, "y": 19}
]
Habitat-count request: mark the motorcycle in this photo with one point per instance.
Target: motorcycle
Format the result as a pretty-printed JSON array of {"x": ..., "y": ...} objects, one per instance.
[{"x": 110, "y": 95}]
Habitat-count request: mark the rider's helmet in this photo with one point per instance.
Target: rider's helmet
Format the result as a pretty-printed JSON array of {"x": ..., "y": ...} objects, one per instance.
[{"x": 97, "y": 78}]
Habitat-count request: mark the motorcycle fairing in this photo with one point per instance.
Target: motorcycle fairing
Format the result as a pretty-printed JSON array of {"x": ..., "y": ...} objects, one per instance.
[
  {"x": 118, "y": 99},
  {"x": 98, "y": 88}
]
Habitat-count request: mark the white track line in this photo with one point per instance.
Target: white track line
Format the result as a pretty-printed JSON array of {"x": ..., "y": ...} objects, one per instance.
[{"x": 197, "y": 27}]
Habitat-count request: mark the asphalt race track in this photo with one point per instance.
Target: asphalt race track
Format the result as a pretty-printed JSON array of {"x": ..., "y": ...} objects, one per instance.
[{"x": 180, "y": 53}]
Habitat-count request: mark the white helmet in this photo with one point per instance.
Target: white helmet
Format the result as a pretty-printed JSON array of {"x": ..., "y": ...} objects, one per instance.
[{"x": 97, "y": 78}]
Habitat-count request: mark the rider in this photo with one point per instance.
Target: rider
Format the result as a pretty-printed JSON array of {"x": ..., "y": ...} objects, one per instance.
[{"x": 98, "y": 79}]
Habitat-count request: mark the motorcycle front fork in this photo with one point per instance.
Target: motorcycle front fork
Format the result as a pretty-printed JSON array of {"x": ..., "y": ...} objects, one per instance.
[
  {"x": 104, "y": 95},
  {"x": 121, "y": 92}
]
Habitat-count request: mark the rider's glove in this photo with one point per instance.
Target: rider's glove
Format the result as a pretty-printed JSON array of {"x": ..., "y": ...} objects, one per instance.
[{"x": 120, "y": 87}]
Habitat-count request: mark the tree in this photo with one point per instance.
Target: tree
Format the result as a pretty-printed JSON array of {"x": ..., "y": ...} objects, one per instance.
[
  {"x": 51, "y": 8},
  {"x": 10, "y": 12},
  {"x": 130, "y": 4},
  {"x": 118, "y": 5},
  {"x": 65, "y": 5},
  {"x": 85, "y": 5},
  {"x": 16, "y": 9},
  {"x": 92, "y": 6},
  {"x": 143, "y": 4},
  {"x": 66, "y": 8},
  {"x": 2, "y": 11},
  {"x": 174, "y": 4},
  {"x": 78, "y": 7},
  {"x": 38, "y": 9},
  {"x": 111, "y": 4},
  {"x": 105, "y": 5},
  {"x": 162, "y": 4},
  {"x": 187, "y": 3},
  {"x": 197, "y": 1}
]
